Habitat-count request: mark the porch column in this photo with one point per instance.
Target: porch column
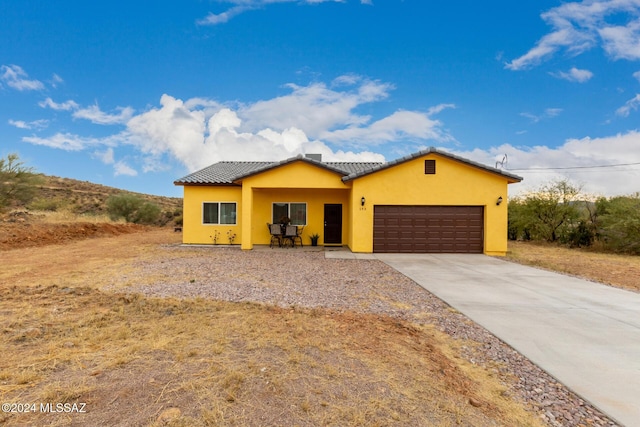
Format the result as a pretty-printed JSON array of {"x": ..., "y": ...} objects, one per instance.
[{"x": 247, "y": 217}]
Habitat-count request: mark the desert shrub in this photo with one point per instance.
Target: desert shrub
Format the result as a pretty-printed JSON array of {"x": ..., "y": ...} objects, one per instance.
[
  {"x": 133, "y": 209},
  {"x": 50, "y": 205},
  {"x": 619, "y": 223},
  {"x": 580, "y": 236},
  {"x": 123, "y": 206},
  {"x": 549, "y": 213},
  {"x": 148, "y": 213},
  {"x": 18, "y": 183},
  {"x": 518, "y": 222}
]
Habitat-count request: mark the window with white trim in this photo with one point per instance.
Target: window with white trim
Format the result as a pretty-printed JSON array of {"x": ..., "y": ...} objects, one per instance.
[
  {"x": 219, "y": 213},
  {"x": 296, "y": 212}
]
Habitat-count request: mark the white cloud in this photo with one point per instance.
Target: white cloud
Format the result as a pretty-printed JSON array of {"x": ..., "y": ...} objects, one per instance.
[
  {"x": 35, "y": 124},
  {"x": 574, "y": 75},
  {"x": 14, "y": 76},
  {"x": 578, "y": 154},
  {"x": 173, "y": 128},
  {"x": 66, "y": 141},
  {"x": 636, "y": 75},
  {"x": 548, "y": 113},
  {"x": 92, "y": 113},
  {"x": 198, "y": 132},
  {"x": 579, "y": 26},
  {"x": 240, "y": 6},
  {"x": 106, "y": 156},
  {"x": 221, "y": 18},
  {"x": 19, "y": 124},
  {"x": 72, "y": 142},
  {"x": 64, "y": 106},
  {"x": 622, "y": 42},
  {"x": 56, "y": 80},
  {"x": 315, "y": 108},
  {"x": 399, "y": 125},
  {"x": 97, "y": 116},
  {"x": 121, "y": 168},
  {"x": 197, "y": 140},
  {"x": 630, "y": 105},
  {"x": 309, "y": 119}
]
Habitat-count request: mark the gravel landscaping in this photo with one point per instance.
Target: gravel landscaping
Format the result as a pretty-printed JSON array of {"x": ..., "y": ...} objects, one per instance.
[{"x": 297, "y": 277}]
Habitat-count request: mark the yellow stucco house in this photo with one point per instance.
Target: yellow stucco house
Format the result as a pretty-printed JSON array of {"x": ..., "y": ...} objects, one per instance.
[{"x": 430, "y": 201}]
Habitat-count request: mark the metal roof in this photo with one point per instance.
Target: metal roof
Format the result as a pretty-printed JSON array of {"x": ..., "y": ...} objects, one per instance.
[
  {"x": 221, "y": 173},
  {"x": 229, "y": 173},
  {"x": 430, "y": 150}
]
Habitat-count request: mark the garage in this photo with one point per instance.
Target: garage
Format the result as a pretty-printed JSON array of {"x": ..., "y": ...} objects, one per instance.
[{"x": 428, "y": 229}]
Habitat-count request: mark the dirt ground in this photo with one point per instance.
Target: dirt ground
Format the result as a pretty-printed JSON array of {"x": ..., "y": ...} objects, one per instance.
[
  {"x": 622, "y": 271},
  {"x": 21, "y": 229},
  {"x": 123, "y": 360}
]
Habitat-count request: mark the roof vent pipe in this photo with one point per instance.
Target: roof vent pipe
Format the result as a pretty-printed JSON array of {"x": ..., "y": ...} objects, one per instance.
[{"x": 316, "y": 157}]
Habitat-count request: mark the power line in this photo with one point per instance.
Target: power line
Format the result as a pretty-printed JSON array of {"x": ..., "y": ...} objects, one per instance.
[{"x": 575, "y": 167}]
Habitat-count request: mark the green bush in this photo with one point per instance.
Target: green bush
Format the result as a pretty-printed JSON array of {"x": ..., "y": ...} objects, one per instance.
[
  {"x": 133, "y": 209},
  {"x": 547, "y": 214},
  {"x": 123, "y": 206},
  {"x": 50, "y": 205},
  {"x": 619, "y": 223},
  {"x": 18, "y": 184},
  {"x": 147, "y": 214},
  {"x": 581, "y": 236}
]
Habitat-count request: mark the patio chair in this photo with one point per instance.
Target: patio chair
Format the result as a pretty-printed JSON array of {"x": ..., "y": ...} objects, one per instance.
[
  {"x": 298, "y": 236},
  {"x": 290, "y": 232},
  {"x": 276, "y": 234}
]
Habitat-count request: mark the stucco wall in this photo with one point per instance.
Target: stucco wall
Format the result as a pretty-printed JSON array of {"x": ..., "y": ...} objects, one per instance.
[
  {"x": 296, "y": 182},
  {"x": 315, "y": 200},
  {"x": 454, "y": 183},
  {"x": 193, "y": 230}
]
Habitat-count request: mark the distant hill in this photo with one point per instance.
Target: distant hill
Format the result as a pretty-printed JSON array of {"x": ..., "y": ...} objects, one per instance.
[
  {"x": 83, "y": 197},
  {"x": 65, "y": 210}
]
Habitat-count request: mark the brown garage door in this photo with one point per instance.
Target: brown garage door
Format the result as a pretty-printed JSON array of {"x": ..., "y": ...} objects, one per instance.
[{"x": 428, "y": 229}]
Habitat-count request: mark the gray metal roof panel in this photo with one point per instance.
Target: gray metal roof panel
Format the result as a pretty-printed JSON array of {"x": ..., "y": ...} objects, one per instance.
[
  {"x": 225, "y": 173},
  {"x": 229, "y": 172},
  {"x": 221, "y": 173},
  {"x": 423, "y": 153}
]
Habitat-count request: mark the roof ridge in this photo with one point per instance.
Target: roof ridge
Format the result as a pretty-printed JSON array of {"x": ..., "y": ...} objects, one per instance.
[{"x": 229, "y": 172}]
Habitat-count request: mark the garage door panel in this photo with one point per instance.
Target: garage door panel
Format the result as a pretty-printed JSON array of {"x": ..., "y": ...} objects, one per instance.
[{"x": 424, "y": 229}]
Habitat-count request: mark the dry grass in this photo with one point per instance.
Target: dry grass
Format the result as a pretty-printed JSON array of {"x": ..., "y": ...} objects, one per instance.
[
  {"x": 145, "y": 361},
  {"x": 68, "y": 216},
  {"x": 622, "y": 271}
]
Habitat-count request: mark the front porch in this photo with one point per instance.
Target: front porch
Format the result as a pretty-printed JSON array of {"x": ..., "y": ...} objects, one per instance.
[{"x": 321, "y": 211}]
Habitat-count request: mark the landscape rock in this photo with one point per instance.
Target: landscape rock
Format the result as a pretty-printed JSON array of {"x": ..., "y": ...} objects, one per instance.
[{"x": 229, "y": 274}]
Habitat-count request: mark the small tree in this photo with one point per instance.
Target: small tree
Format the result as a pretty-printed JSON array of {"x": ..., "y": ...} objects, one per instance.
[
  {"x": 18, "y": 184},
  {"x": 518, "y": 221},
  {"x": 123, "y": 206},
  {"x": 548, "y": 213},
  {"x": 619, "y": 222},
  {"x": 133, "y": 209},
  {"x": 148, "y": 213}
]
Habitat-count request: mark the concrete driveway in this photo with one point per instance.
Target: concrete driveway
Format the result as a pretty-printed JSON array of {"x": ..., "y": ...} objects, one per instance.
[{"x": 585, "y": 334}]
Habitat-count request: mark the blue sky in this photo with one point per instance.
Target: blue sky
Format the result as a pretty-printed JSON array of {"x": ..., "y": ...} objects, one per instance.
[{"x": 137, "y": 94}]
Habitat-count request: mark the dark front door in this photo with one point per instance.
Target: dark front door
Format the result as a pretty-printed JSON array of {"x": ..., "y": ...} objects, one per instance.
[{"x": 332, "y": 224}]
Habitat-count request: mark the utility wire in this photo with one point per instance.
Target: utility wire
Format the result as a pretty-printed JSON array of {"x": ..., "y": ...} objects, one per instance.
[{"x": 575, "y": 167}]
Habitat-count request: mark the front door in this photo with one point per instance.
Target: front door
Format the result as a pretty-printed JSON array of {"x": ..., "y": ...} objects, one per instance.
[{"x": 332, "y": 224}]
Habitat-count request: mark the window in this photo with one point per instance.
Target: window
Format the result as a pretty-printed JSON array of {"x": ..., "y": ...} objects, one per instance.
[
  {"x": 429, "y": 167},
  {"x": 297, "y": 212},
  {"x": 218, "y": 213}
]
